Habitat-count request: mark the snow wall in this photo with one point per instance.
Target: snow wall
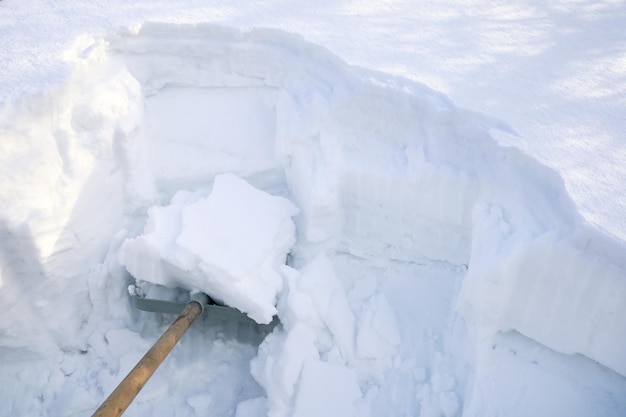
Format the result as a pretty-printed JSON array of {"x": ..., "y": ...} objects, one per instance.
[{"x": 380, "y": 168}]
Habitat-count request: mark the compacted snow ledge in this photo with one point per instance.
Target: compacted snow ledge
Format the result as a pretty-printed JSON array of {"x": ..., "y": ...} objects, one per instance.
[{"x": 425, "y": 263}]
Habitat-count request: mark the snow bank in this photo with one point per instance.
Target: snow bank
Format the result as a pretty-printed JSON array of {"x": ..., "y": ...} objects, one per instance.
[
  {"x": 230, "y": 245},
  {"x": 408, "y": 210},
  {"x": 548, "y": 288}
]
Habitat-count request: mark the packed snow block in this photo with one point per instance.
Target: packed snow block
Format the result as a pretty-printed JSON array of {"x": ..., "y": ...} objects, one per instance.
[
  {"x": 230, "y": 244},
  {"x": 315, "y": 185},
  {"x": 185, "y": 129},
  {"x": 569, "y": 300},
  {"x": 548, "y": 289},
  {"x": 425, "y": 213}
]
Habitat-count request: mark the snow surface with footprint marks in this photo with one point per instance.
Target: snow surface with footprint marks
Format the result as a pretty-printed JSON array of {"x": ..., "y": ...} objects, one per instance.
[{"x": 433, "y": 272}]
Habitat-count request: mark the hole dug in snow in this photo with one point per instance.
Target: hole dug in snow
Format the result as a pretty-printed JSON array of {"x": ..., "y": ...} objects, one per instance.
[{"x": 420, "y": 241}]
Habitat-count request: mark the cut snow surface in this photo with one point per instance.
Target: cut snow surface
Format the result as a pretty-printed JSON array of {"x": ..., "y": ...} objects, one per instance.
[
  {"x": 431, "y": 271},
  {"x": 230, "y": 245}
]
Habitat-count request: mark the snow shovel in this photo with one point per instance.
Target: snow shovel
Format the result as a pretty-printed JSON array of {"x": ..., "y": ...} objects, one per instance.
[{"x": 127, "y": 390}]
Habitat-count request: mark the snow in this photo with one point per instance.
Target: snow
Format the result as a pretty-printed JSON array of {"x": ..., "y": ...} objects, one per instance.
[
  {"x": 442, "y": 262},
  {"x": 549, "y": 291},
  {"x": 217, "y": 245},
  {"x": 326, "y": 389}
]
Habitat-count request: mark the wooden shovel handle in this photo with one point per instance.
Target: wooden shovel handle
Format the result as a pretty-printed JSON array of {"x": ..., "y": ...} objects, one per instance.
[{"x": 128, "y": 389}]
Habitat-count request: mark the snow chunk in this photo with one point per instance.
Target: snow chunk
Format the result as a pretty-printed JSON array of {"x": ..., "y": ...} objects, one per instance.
[
  {"x": 279, "y": 363},
  {"x": 307, "y": 361},
  {"x": 318, "y": 299},
  {"x": 230, "y": 245}
]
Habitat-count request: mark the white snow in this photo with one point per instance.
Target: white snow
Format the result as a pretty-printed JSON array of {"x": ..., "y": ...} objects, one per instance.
[
  {"x": 439, "y": 263},
  {"x": 218, "y": 245},
  {"x": 326, "y": 389}
]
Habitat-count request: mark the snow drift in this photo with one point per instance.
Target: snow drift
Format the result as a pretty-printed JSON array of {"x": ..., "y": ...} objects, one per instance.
[{"x": 421, "y": 244}]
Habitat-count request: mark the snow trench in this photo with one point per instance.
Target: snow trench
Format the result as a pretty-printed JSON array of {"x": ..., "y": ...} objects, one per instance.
[{"x": 423, "y": 247}]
